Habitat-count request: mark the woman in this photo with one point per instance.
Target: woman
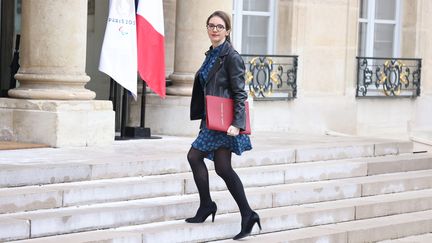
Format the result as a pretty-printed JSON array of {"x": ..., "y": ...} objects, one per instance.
[{"x": 221, "y": 74}]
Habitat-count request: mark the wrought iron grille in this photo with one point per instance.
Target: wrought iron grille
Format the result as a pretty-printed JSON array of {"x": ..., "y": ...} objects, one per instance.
[
  {"x": 271, "y": 77},
  {"x": 388, "y": 77}
]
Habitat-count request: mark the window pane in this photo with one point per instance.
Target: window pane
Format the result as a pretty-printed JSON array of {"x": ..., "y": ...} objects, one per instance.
[
  {"x": 233, "y": 30},
  {"x": 254, "y": 36},
  {"x": 383, "y": 40},
  {"x": 385, "y": 9},
  {"x": 362, "y": 39},
  {"x": 363, "y": 9},
  {"x": 256, "y": 5},
  {"x": 17, "y": 16}
]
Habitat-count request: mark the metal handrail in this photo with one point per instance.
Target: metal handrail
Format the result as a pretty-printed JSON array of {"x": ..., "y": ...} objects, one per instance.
[{"x": 388, "y": 77}]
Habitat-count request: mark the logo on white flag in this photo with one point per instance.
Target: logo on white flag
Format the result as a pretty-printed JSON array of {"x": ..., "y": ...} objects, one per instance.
[
  {"x": 119, "y": 50},
  {"x": 123, "y": 30}
]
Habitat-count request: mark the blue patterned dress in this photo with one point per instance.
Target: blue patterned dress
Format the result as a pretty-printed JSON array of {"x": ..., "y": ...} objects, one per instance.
[{"x": 208, "y": 140}]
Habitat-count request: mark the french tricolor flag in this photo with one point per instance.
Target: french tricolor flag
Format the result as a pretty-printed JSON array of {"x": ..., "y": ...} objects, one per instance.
[
  {"x": 150, "y": 42},
  {"x": 134, "y": 41}
]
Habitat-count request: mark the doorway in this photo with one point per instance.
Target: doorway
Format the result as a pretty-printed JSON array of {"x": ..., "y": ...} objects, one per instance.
[{"x": 10, "y": 13}]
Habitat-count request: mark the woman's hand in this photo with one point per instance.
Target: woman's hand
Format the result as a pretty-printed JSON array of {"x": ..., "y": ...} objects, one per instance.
[{"x": 233, "y": 131}]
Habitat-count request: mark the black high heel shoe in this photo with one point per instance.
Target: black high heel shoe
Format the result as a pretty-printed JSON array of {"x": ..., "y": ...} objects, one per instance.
[
  {"x": 246, "y": 227},
  {"x": 203, "y": 213}
]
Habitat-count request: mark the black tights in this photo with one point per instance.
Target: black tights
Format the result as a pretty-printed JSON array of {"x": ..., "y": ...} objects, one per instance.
[{"x": 222, "y": 162}]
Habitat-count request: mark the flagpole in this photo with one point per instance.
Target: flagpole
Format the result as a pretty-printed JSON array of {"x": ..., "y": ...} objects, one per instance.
[
  {"x": 141, "y": 132},
  {"x": 113, "y": 97},
  {"x": 113, "y": 93},
  {"x": 143, "y": 104},
  {"x": 124, "y": 114}
]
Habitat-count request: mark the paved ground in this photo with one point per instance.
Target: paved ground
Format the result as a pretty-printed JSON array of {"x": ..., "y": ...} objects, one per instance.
[{"x": 167, "y": 147}]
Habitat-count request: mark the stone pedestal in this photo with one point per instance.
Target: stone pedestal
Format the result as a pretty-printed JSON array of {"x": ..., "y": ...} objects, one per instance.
[{"x": 57, "y": 123}]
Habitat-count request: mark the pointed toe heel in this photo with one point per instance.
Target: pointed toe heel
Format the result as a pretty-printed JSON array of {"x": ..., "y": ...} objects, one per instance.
[
  {"x": 203, "y": 213},
  {"x": 246, "y": 227}
]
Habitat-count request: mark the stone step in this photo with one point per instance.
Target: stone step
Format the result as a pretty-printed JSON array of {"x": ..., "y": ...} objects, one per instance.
[
  {"x": 99, "y": 236},
  {"x": 106, "y": 190},
  {"x": 392, "y": 182},
  {"x": 70, "y": 165},
  {"x": 382, "y": 230},
  {"x": 110, "y": 190},
  {"x": 407, "y": 162},
  {"x": 372, "y": 165},
  {"x": 85, "y": 218},
  {"x": 352, "y": 150},
  {"x": 302, "y": 235},
  {"x": 422, "y": 238},
  {"x": 323, "y": 222}
]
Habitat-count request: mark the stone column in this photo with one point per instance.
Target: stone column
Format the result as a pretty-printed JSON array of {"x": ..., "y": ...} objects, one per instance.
[
  {"x": 191, "y": 41},
  {"x": 51, "y": 106},
  {"x": 53, "y": 51}
]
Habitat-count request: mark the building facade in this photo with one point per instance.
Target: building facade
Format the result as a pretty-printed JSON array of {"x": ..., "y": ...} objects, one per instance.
[{"x": 361, "y": 68}]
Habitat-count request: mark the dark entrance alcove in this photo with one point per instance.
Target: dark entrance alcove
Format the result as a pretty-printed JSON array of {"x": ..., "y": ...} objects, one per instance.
[{"x": 7, "y": 33}]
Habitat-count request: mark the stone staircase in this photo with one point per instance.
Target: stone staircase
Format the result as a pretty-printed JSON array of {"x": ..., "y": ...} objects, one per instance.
[{"x": 345, "y": 191}]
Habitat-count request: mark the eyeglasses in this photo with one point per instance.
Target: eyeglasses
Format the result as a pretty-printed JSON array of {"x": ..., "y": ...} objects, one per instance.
[{"x": 218, "y": 27}]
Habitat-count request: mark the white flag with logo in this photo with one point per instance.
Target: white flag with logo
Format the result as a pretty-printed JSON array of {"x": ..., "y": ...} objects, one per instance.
[{"x": 119, "y": 50}]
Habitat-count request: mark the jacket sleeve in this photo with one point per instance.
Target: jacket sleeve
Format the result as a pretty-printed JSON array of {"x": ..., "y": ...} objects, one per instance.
[{"x": 236, "y": 72}]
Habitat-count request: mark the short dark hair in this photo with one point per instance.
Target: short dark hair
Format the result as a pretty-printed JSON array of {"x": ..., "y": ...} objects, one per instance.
[{"x": 225, "y": 17}]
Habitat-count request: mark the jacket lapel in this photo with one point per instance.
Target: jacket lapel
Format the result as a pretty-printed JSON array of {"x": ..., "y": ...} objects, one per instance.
[
  {"x": 217, "y": 65},
  {"x": 214, "y": 69}
]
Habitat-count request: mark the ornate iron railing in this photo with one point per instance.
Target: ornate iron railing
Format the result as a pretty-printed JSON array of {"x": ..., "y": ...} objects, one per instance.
[
  {"x": 271, "y": 77},
  {"x": 388, "y": 77}
]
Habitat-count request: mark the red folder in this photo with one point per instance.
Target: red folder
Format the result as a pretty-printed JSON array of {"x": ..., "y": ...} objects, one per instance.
[{"x": 220, "y": 114}]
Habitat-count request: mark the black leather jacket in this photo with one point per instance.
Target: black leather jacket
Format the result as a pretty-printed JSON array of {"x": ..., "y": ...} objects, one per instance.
[{"x": 225, "y": 79}]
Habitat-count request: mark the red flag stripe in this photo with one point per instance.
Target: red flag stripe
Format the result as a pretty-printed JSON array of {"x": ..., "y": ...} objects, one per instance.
[{"x": 151, "y": 56}]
